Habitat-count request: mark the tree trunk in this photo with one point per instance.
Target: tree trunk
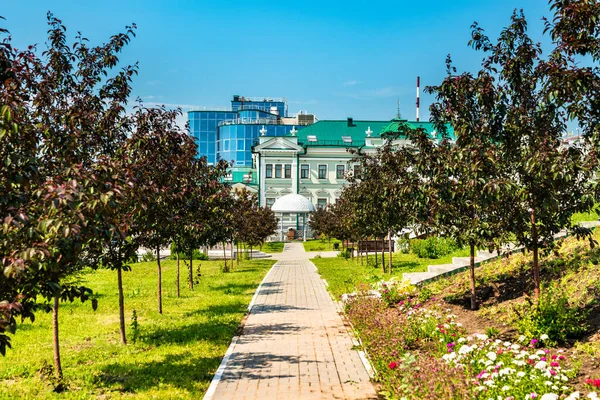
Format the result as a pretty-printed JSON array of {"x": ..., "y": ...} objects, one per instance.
[
  {"x": 159, "y": 279},
  {"x": 472, "y": 277},
  {"x": 191, "y": 271},
  {"x": 177, "y": 276},
  {"x": 390, "y": 249},
  {"x": 250, "y": 257},
  {"x": 57, "y": 366},
  {"x": 383, "y": 254},
  {"x": 225, "y": 259},
  {"x": 536, "y": 265},
  {"x": 237, "y": 257},
  {"x": 121, "y": 305}
]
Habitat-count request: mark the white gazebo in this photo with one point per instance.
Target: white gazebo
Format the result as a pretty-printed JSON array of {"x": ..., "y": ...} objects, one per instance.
[{"x": 294, "y": 204}]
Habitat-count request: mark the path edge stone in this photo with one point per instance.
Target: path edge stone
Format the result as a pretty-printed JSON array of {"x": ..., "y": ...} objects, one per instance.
[
  {"x": 364, "y": 356},
  {"x": 217, "y": 377}
]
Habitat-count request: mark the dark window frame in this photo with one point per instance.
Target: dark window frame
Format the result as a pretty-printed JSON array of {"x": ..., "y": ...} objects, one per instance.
[{"x": 324, "y": 175}]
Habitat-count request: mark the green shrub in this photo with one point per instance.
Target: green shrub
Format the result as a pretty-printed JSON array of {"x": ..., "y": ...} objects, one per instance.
[
  {"x": 148, "y": 256},
  {"x": 196, "y": 255},
  {"x": 433, "y": 247},
  {"x": 403, "y": 245},
  {"x": 346, "y": 253},
  {"x": 552, "y": 316}
]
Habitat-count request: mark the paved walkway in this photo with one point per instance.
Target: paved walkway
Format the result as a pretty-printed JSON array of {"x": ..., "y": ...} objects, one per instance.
[{"x": 294, "y": 344}]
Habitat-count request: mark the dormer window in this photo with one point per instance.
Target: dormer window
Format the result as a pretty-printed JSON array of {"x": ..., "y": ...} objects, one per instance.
[{"x": 312, "y": 138}]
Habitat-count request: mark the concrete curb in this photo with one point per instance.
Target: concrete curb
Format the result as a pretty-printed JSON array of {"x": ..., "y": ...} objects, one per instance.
[
  {"x": 219, "y": 374},
  {"x": 364, "y": 357}
]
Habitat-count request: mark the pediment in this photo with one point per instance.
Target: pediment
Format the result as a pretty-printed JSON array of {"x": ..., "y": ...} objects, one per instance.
[{"x": 278, "y": 144}]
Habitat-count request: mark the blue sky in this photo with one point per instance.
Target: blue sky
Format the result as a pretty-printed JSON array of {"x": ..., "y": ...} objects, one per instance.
[{"x": 335, "y": 59}]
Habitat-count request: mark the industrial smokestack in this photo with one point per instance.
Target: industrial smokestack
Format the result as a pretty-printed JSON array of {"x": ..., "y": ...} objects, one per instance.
[{"x": 418, "y": 90}]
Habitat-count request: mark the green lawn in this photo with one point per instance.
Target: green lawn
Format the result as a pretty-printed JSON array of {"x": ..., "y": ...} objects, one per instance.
[
  {"x": 176, "y": 354},
  {"x": 320, "y": 245},
  {"x": 272, "y": 247},
  {"x": 584, "y": 217},
  {"x": 343, "y": 275}
]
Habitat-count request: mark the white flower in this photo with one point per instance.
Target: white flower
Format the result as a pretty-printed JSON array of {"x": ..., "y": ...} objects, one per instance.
[
  {"x": 505, "y": 388},
  {"x": 592, "y": 396},
  {"x": 491, "y": 355},
  {"x": 449, "y": 356},
  {"x": 481, "y": 336},
  {"x": 480, "y": 388},
  {"x": 544, "y": 337},
  {"x": 548, "y": 383},
  {"x": 520, "y": 374},
  {"x": 515, "y": 347},
  {"x": 465, "y": 349},
  {"x": 540, "y": 352},
  {"x": 522, "y": 338},
  {"x": 549, "y": 396},
  {"x": 573, "y": 396},
  {"x": 461, "y": 340}
]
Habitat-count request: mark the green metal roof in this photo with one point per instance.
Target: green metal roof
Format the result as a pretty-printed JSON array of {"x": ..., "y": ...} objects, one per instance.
[
  {"x": 332, "y": 132},
  {"x": 429, "y": 127}
]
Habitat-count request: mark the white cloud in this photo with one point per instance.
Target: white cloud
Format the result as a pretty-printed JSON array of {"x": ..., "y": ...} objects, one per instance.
[
  {"x": 350, "y": 83},
  {"x": 171, "y": 105}
]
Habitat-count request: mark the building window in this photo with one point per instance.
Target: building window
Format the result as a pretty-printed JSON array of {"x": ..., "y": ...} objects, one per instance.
[
  {"x": 321, "y": 203},
  {"x": 277, "y": 170},
  {"x": 322, "y": 171},
  {"x": 288, "y": 171},
  {"x": 269, "y": 171},
  {"x": 304, "y": 171},
  {"x": 357, "y": 171},
  {"x": 270, "y": 202},
  {"x": 340, "y": 172}
]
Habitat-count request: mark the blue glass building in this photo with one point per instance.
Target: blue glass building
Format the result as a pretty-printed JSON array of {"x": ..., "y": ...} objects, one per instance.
[{"x": 229, "y": 134}]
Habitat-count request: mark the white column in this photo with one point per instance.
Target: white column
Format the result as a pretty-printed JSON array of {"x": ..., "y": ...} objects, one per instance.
[
  {"x": 262, "y": 168},
  {"x": 295, "y": 175}
]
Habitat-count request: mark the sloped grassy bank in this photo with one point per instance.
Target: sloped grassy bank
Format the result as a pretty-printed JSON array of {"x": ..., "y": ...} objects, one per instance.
[{"x": 425, "y": 342}]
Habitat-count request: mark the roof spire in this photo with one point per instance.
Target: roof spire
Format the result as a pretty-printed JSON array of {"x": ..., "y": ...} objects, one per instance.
[{"x": 398, "y": 114}]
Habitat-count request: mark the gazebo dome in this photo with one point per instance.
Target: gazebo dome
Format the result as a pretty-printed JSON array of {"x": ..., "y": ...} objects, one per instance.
[{"x": 293, "y": 203}]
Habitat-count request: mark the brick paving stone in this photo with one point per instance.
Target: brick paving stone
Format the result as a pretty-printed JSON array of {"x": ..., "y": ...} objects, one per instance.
[{"x": 294, "y": 344}]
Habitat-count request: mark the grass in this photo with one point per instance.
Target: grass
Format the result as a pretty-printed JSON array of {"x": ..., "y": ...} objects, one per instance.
[
  {"x": 344, "y": 275},
  {"x": 584, "y": 217},
  {"x": 321, "y": 245},
  {"x": 272, "y": 247},
  {"x": 176, "y": 353}
]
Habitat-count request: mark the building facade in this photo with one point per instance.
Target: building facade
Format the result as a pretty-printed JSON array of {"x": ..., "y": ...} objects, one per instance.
[
  {"x": 315, "y": 162},
  {"x": 229, "y": 133}
]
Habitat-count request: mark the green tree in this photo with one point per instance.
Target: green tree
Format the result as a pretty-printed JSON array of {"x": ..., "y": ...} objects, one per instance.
[
  {"x": 471, "y": 189},
  {"x": 550, "y": 182}
]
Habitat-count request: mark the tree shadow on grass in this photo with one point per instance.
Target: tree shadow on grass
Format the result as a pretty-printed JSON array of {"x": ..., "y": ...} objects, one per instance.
[
  {"x": 184, "y": 371},
  {"x": 213, "y": 330},
  {"x": 235, "y": 307}
]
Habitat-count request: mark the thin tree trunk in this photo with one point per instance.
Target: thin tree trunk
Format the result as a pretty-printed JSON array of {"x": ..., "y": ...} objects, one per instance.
[
  {"x": 159, "y": 280},
  {"x": 536, "y": 265},
  {"x": 121, "y": 305},
  {"x": 231, "y": 255},
  {"x": 250, "y": 258},
  {"x": 390, "y": 249},
  {"x": 472, "y": 271},
  {"x": 383, "y": 254},
  {"x": 177, "y": 276},
  {"x": 237, "y": 257},
  {"x": 376, "y": 255},
  {"x": 191, "y": 271},
  {"x": 57, "y": 366},
  {"x": 224, "y": 258}
]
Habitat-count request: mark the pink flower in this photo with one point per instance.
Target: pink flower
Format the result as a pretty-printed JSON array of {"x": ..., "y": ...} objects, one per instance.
[
  {"x": 554, "y": 364},
  {"x": 393, "y": 365}
]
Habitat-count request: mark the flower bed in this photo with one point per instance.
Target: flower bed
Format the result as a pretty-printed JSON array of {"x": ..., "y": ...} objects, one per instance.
[{"x": 423, "y": 352}]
